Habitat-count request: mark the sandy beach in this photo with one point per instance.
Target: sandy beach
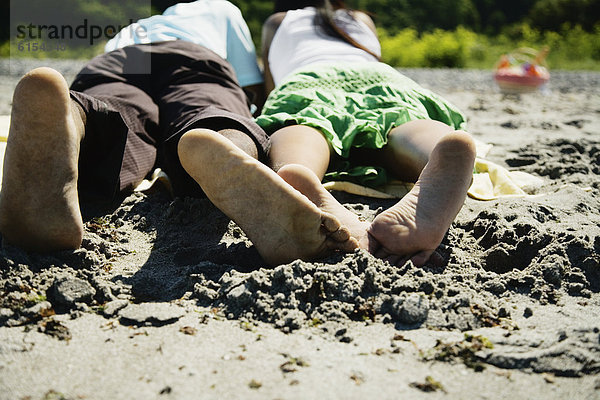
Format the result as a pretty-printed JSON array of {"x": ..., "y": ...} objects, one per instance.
[{"x": 167, "y": 299}]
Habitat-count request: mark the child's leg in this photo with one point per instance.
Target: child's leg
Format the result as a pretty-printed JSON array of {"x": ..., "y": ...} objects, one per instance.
[
  {"x": 307, "y": 183},
  {"x": 429, "y": 152},
  {"x": 282, "y": 223},
  {"x": 300, "y": 155},
  {"x": 442, "y": 159},
  {"x": 409, "y": 147},
  {"x": 301, "y": 145}
]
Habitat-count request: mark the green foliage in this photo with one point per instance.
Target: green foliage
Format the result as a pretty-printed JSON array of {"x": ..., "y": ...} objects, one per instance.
[
  {"x": 435, "y": 49},
  {"x": 552, "y": 14},
  {"x": 570, "y": 48},
  {"x": 5, "y": 50},
  {"x": 422, "y": 15},
  {"x": 255, "y": 13},
  {"x": 414, "y": 33}
]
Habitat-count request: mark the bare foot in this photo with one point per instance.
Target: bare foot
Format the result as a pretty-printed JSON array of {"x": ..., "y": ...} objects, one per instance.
[
  {"x": 307, "y": 183},
  {"x": 415, "y": 226},
  {"x": 282, "y": 223},
  {"x": 39, "y": 206}
]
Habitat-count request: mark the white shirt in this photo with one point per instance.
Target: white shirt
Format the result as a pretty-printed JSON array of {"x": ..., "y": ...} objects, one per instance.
[
  {"x": 298, "y": 43},
  {"x": 215, "y": 24}
]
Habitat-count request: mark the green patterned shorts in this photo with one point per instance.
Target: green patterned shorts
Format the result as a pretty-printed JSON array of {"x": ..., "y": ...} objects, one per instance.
[{"x": 353, "y": 105}]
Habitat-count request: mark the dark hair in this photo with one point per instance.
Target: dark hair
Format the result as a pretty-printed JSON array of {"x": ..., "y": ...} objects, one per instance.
[
  {"x": 324, "y": 18},
  {"x": 286, "y": 5}
]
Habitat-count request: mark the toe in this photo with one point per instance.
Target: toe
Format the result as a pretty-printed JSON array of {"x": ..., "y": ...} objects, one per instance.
[
  {"x": 347, "y": 246},
  {"x": 350, "y": 245},
  {"x": 341, "y": 235},
  {"x": 372, "y": 244},
  {"x": 330, "y": 222},
  {"x": 401, "y": 261}
]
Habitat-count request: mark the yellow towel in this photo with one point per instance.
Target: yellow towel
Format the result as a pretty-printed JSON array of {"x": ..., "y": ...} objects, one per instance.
[
  {"x": 393, "y": 190},
  {"x": 157, "y": 176},
  {"x": 490, "y": 181}
]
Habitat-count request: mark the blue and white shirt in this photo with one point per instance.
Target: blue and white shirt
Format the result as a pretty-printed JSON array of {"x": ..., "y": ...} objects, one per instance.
[{"x": 215, "y": 24}]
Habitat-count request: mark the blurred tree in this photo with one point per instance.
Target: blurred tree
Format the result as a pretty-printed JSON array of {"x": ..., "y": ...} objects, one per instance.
[
  {"x": 255, "y": 13},
  {"x": 5, "y": 20},
  {"x": 486, "y": 16},
  {"x": 159, "y": 6},
  {"x": 551, "y": 14}
]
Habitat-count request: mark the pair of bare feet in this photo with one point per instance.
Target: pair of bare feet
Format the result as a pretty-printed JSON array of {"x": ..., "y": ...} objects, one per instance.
[
  {"x": 287, "y": 215},
  {"x": 291, "y": 215},
  {"x": 414, "y": 227},
  {"x": 39, "y": 204}
]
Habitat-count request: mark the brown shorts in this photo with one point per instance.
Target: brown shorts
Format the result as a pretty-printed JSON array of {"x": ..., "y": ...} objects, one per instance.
[{"x": 134, "y": 121}]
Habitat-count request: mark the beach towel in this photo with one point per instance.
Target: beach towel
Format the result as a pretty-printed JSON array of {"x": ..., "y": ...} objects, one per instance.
[{"x": 490, "y": 181}]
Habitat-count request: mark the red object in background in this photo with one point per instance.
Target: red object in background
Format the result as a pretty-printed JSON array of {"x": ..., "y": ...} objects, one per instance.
[{"x": 522, "y": 70}]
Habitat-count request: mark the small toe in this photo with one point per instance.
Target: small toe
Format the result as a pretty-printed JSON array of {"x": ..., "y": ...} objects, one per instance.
[
  {"x": 341, "y": 235},
  {"x": 330, "y": 222},
  {"x": 347, "y": 246}
]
